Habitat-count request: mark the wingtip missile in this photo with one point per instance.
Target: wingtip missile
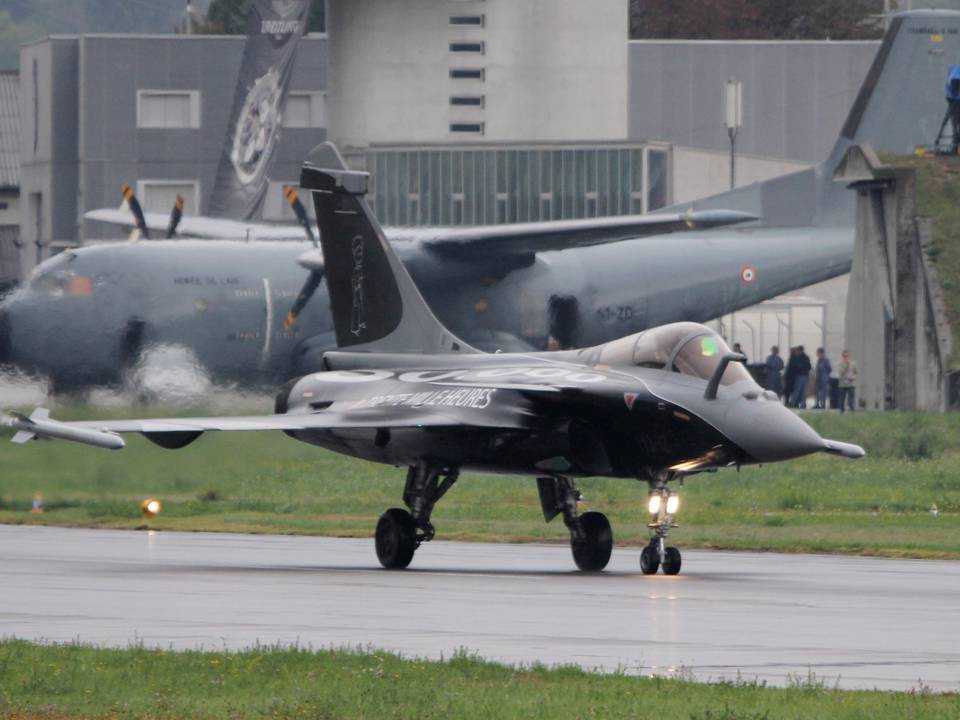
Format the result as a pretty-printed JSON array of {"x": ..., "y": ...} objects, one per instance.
[{"x": 40, "y": 426}]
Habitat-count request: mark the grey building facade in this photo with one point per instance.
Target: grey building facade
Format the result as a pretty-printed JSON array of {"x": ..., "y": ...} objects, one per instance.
[
  {"x": 151, "y": 111},
  {"x": 9, "y": 179}
]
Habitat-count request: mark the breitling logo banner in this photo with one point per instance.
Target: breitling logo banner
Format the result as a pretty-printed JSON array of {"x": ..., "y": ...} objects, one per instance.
[{"x": 254, "y": 130}]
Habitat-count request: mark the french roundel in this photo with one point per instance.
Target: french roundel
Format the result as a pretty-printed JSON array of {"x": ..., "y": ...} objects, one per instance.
[{"x": 748, "y": 275}]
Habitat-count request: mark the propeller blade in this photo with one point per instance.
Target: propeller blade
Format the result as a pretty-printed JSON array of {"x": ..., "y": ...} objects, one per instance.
[
  {"x": 301, "y": 212},
  {"x": 175, "y": 215},
  {"x": 137, "y": 211},
  {"x": 309, "y": 287}
]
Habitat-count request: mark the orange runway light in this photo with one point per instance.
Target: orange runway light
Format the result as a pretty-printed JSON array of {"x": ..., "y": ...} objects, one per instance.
[{"x": 151, "y": 507}]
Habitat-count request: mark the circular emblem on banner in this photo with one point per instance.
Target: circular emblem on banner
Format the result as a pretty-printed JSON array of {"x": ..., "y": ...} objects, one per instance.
[
  {"x": 747, "y": 275},
  {"x": 257, "y": 128}
]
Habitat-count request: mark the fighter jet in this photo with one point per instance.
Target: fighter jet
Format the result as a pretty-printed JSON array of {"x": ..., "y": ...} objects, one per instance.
[
  {"x": 86, "y": 316},
  {"x": 403, "y": 390}
]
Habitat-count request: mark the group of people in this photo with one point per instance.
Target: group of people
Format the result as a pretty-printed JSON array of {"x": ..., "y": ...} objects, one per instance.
[{"x": 792, "y": 381}]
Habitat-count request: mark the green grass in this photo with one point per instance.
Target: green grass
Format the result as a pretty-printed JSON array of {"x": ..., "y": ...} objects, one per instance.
[
  {"x": 73, "y": 681},
  {"x": 266, "y": 482}
]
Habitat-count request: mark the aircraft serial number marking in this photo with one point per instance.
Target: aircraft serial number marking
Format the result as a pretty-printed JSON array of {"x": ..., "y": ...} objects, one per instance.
[
  {"x": 207, "y": 280},
  {"x": 463, "y": 397},
  {"x": 619, "y": 313}
]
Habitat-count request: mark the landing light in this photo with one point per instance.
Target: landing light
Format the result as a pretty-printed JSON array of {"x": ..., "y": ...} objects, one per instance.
[
  {"x": 150, "y": 507},
  {"x": 673, "y": 504},
  {"x": 654, "y": 505}
]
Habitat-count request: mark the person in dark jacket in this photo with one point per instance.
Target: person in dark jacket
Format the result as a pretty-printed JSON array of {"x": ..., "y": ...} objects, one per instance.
[
  {"x": 774, "y": 368},
  {"x": 801, "y": 379},
  {"x": 789, "y": 374}
]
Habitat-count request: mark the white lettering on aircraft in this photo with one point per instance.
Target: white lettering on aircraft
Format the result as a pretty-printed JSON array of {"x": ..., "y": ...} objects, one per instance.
[
  {"x": 463, "y": 397},
  {"x": 473, "y": 376}
]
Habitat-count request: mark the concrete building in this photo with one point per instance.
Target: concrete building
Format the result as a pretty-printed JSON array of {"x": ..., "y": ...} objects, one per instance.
[
  {"x": 152, "y": 111},
  {"x": 10, "y": 269}
]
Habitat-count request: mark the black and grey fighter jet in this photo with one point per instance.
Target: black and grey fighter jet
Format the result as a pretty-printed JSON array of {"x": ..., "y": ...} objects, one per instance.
[{"x": 403, "y": 390}]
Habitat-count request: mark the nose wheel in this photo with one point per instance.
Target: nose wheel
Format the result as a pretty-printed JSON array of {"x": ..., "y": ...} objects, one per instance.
[{"x": 657, "y": 555}]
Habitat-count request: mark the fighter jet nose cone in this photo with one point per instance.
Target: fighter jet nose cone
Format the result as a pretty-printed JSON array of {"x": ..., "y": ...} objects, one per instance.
[{"x": 776, "y": 433}]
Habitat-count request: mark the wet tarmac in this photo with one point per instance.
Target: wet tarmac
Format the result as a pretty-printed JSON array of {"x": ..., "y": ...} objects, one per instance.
[{"x": 862, "y": 622}]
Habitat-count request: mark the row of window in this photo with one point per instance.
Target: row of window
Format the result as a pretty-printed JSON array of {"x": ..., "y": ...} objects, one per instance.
[
  {"x": 181, "y": 109},
  {"x": 486, "y": 186},
  {"x": 461, "y": 47}
]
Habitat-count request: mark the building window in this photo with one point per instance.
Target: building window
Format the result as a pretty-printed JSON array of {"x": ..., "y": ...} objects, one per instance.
[
  {"x": 467, "y": 100},
  {"x": 168, "y": 108},
  {"x": 305, "y": 110},
  {"x": 467, "y": 127},
  {"x": 466, "y": 73},
  {"x": 468, "y": 20},
  {"x": 160, "y": 195},
  {"x": 467, "y": 47}
]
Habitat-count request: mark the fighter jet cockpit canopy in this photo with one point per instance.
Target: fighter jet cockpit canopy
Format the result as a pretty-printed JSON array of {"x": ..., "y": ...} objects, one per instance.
[{"x": 687, "y": 348}]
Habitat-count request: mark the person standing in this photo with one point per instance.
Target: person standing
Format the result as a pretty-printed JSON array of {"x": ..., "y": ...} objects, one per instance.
[
  {"x": 739, "y": 350},
  {"x": 847, "y": 374},
  {"x": 788, "y": 376},
  {"x": 801, "y": 379},
  {"x": 774, "y": 368},
  {"x": 821, "y": 387}
]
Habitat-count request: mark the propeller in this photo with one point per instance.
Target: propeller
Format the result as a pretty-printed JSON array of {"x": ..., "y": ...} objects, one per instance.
[
  {"x": 312, "y": 260},
  {"x": 137, "y": 211},
  {"x": 175, "y": 215}
]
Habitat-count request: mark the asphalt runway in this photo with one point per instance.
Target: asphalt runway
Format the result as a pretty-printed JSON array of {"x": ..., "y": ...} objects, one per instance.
[{"x": 869, "y": 622}]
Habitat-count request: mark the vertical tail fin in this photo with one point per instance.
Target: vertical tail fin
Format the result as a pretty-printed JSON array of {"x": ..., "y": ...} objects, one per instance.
[
  {"x": 901, "y": 103},
  {"x": 374, "y": 302}
]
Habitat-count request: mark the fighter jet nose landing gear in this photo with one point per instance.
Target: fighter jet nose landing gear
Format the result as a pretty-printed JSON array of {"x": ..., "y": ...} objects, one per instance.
[
  {"x": 591, "y": 538},
  {"x": 400, "y": 532},
  {"x": 662, "y": 505}
]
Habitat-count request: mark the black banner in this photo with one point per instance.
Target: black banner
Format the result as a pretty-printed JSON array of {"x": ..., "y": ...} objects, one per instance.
[{"x": 254, "y": 130}]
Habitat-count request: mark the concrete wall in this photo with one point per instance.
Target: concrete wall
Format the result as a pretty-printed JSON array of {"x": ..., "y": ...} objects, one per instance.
[
  {"x": 554, "y": 70},
  {"x": 699, "y": 173},
  {"x": 796, "y": 95}
]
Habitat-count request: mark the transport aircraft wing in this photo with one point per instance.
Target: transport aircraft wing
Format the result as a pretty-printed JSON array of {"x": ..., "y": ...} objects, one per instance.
[{"x": 463, "y": 242}]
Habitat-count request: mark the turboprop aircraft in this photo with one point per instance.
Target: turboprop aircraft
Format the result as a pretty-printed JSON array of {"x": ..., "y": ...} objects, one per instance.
[
  {"x": 87, "y": 315},
  {"x": 403, "y": 390}
]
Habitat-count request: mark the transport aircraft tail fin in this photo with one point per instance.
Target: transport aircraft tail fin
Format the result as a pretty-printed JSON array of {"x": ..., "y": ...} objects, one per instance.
[
  {"x": 901, "y": 106},
  {"x": 375, "y": 304}
]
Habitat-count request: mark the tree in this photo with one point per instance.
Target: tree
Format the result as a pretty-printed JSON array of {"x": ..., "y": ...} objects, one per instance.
[
  {"x": 756, "y": 19},
  {"x": 230, "y": 17}
]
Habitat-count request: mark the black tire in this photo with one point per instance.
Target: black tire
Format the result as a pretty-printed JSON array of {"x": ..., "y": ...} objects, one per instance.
[
  {"x": 649, "y": 560},
  {"x": 592, "y": 553},
  {"x": 671, "y": 561},
  {"x": 396, "y": 539}
]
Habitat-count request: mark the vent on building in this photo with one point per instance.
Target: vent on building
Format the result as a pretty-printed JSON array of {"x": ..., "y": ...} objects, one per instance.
[
  {"x": 467, "y": 127},
  {"x": 467, "y": 47},
  {"x": 466, "y": 73},
  {"x": 468, "y": 20},
  {"x": 467, "y": 100}
]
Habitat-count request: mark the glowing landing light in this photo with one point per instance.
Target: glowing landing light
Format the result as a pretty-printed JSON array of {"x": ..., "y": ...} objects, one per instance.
[
  {"x": 151, "y": 507},
  {"x": 673, "y": 504},
  {"x": 654, "y": 505}
]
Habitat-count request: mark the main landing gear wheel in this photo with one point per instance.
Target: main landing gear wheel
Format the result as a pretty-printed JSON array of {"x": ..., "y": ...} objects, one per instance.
[
  {"x": 671, "y": 561},
  {"x": 396, "y": 539},
  {"x": 649, "y": 560},
  {"x": 592, "y": 550}
]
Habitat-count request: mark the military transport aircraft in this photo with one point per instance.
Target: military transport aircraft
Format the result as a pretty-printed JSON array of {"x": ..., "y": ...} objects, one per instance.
[
  {"x": 88, "y": 314},
  {"x": 405, "y": 391}
]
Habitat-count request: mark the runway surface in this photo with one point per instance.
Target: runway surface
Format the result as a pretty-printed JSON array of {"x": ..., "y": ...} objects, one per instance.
[{"x": 869, "y": 622}]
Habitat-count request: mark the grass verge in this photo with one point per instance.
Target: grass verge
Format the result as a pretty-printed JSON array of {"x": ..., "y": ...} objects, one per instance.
[
  {"x": 266, "y": 482},
  {"x": 76, "y": 681}
]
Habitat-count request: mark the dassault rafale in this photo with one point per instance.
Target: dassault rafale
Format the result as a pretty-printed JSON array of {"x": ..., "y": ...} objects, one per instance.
[{"x": 403, "y": 390}]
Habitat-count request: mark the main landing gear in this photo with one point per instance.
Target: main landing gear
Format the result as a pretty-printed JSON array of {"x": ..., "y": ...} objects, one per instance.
[
  {"x": 591, "y": 539},
  {"x": 663, "y": 506},
  {"x": 399, "y": 531}
]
